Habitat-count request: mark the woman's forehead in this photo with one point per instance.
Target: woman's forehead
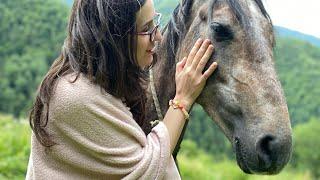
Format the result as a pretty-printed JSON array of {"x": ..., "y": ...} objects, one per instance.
[{"x": 146, "y": 13}]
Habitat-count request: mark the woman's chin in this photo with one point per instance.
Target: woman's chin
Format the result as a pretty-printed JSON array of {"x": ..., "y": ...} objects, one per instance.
[{"x": 149, "y": 60}]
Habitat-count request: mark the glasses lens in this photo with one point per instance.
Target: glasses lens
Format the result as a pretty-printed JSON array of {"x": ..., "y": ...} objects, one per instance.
[
  {"x": 154, "y": 33},
  {"x": 156, "y": 22}
]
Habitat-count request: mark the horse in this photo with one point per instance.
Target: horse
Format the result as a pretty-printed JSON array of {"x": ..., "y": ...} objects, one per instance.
[{"x": 244, "y": 96}]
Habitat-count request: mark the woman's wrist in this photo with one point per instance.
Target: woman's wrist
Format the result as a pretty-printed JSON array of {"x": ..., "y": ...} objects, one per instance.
[{"x": 184, "y": 102}]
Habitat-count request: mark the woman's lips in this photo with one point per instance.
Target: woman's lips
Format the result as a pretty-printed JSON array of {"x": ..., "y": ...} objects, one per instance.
[{"x": 150, "y": 51}]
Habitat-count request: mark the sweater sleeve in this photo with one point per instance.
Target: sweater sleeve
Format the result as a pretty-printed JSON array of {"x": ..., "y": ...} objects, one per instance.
[{"x": 95, "y": 133}]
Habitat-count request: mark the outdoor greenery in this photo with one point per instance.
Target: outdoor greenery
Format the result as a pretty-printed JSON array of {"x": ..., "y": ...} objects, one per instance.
[
  {"x": 298, "y": 65},
  {"x": 14, "y": 147},
  {"x": 306, "y": 153},
  {"x": 31, "y": 35},
  {"x": 195, "y": 163}
]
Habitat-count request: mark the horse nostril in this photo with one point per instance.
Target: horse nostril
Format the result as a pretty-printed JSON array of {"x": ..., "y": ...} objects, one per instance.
[
  {"x": 215, "y": 26},
  {"x": 265, "y": 148}
]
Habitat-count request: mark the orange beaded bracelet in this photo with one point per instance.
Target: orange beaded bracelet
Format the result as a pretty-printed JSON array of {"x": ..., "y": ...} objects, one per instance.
[{"x": 176, "y": 105}]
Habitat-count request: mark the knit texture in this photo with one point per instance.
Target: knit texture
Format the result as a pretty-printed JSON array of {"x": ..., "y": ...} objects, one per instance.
[{"x": 97, "y": 138}]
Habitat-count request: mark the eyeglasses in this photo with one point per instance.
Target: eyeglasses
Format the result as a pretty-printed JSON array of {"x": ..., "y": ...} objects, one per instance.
[{"x": 153, "y": 32}]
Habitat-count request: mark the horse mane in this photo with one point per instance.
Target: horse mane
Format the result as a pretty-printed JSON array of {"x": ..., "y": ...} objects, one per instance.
[
  {"x": 176, "y": 26},
  {"x": 174, "y": 35}
]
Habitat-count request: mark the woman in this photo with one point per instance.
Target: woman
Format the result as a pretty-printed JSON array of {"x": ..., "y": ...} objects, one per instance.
[{"x": 89, "y": 112}]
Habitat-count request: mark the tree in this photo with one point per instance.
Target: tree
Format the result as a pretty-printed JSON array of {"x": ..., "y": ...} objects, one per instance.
[
  {"x": 22, "y": 76},
  {"x": 298, "y": 65},
  {"x": 31, "y": 36},
  {"x": 306, "y": 145},
  {"x": 208, "y": 136}
]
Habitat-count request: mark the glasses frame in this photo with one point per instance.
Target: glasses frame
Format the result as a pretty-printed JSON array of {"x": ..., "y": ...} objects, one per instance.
[{"x": 152, "y": 33}]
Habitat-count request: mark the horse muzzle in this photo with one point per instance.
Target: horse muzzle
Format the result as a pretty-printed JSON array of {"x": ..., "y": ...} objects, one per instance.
[{"x": 268, "y": 155}]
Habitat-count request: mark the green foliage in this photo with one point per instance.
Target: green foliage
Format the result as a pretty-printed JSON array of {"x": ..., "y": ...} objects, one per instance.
[
  {"x": 206, "y": 133},
  {"x": 206, "y": 168},
  {"x": 284, "y": 32},
  {"x": 31, "y": 35},
  {"x": 32, "y": 32},
  {"x": 14, "y": 148},
  {"x": 22, "y": 77},
  {"x": 298, "y": 65},
  {"x": 306, "y": 154},
  {"x": 37, "y": 24}
]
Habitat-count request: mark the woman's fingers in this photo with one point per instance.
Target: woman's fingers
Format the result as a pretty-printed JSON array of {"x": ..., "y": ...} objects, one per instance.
[
  {"x": 210, "y": 70},
  {"x": 198, "y": 58},
  {"x": 189, "y": 78},
  {"x": 200, "y": 54},
  {"x": 193, "y": 52},
  {"x": 204, "y": 58},
  {"x": 181, "y": 64}
]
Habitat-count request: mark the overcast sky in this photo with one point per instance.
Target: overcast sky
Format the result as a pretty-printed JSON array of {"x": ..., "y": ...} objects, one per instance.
[{"x": 302, "y": 16}]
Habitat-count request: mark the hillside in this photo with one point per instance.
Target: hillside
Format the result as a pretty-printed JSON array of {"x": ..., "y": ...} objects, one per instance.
[
  {"x": 288, "y": 33},
  {"x": 32, "y": 33}
]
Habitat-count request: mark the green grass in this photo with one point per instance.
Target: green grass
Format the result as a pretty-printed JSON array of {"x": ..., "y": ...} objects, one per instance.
[{"x": 14, "y": 148}]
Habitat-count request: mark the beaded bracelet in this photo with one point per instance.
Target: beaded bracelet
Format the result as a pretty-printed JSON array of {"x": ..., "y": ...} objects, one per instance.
[{"x": 176, "y": 105}]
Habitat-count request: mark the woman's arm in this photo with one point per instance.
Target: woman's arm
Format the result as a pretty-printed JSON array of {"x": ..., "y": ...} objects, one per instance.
[{"x": 189, "y": 83}]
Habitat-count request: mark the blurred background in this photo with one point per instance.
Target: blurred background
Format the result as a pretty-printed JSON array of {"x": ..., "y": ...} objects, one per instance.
[{"x": 31, "y": 36}]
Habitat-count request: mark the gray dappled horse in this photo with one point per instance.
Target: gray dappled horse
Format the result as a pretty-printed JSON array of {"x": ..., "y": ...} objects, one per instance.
[{"x": 244, "y": 95}]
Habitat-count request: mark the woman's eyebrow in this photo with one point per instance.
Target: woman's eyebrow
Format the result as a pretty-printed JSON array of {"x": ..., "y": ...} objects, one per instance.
[{"x": 147, "y": 23}]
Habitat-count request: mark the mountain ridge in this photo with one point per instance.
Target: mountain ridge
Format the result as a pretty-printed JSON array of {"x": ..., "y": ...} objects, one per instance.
[{"x": 286, "y": 32}]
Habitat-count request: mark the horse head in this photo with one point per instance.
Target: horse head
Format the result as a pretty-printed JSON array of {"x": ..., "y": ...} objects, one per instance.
[{"x": 244, "y": 95}]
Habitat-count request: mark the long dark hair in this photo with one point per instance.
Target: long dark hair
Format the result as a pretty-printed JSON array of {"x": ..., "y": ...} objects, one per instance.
[{"x": 100, "y": 45}]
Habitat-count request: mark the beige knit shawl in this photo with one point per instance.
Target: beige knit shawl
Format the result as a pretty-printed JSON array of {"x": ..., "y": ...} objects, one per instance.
[{"x": 98, "y": 139}]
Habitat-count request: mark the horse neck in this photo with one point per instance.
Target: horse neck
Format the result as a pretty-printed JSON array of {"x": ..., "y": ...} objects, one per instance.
[{"x": 164, "y": 81}]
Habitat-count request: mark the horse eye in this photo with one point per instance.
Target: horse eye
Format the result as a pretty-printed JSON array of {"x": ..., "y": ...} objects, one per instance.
[
  {"x": 221, "y": 32},
  {"x": 203, "y": 16}
]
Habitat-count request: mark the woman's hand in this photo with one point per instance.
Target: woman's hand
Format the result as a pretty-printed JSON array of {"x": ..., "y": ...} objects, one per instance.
[{"x": 189, "y": 77}]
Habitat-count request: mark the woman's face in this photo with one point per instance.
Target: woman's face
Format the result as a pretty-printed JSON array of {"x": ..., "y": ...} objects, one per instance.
[{"x": 145, "y": 48}]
